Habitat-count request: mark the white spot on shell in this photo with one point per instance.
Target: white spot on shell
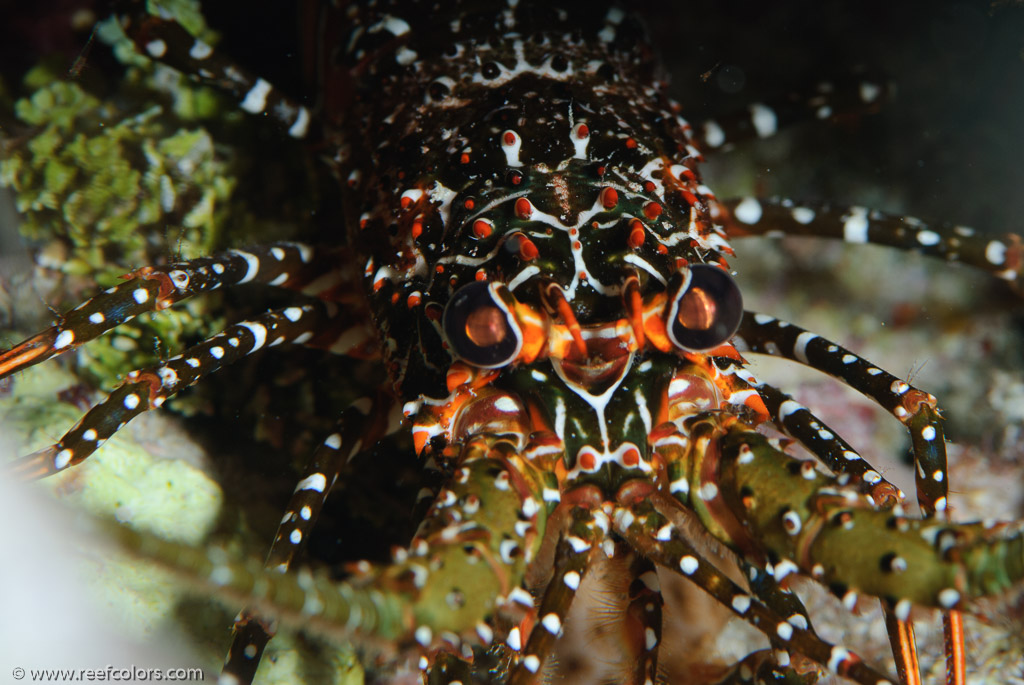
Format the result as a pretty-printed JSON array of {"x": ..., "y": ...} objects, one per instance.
[
  {"x": 552, "y": 623},
  {"x": 741, "y": 603},
  {"x": 869, "y": 92},
  {"x": 803, "y": 215},
  {"x": 256, "y": 99},
  {"x": 764, "y": 119},
  {"x": 317, "y": 482},
  {"x": 688, "y": 565},
  {"x": 948, "y": 598},
  {"x": 995, "y": 252},
  {"x": 748, "y": 211},
  {"x": 64, "y": 338},
  {"x": 200, "y": 50},
  {"x": 714, "y": 136},
  {"x": 62, "y": 459},
  {"x": 855, "y": 225},
  {"x": 156, "y": 48}
]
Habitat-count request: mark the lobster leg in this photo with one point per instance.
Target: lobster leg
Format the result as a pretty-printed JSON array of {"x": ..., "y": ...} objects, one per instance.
[
  {"x": 573, "y": 555},
  {"x": 152, "y": 288},
  {"x": 838, "y": 455},
  {"x": 164, "y": 39},
  {"x": 648, "y": 530},
  {"x": 363, "y": 423},
  {"x": 800, "y": 423},
  {"x": 915, "y": 408},
  {"x": 827, "y": 528},
  {"x": 1002, "y": 256},
  {"x": 765, "y": 119},
  {"x": 643, "y": 619},
  {"x": 464, "y": 567},
  {"x": 762, "y": 667},
  {"x": 149, "y": 388}
]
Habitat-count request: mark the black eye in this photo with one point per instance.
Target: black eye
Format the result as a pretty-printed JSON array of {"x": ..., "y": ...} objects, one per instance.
[
  {"x": 479, "y": 327},
  {"x": 706, "y": 311}
]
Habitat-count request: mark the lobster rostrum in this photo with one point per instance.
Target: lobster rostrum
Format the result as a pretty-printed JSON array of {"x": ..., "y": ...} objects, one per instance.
[{"x": 545, "y": 278}]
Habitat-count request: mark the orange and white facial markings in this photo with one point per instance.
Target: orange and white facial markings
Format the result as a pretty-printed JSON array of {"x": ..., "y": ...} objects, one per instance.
[{"x": 468, "y": 411}]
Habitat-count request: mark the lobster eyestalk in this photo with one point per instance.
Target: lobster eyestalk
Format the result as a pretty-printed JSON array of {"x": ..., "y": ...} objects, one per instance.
[{"x": 768, "y": 504}]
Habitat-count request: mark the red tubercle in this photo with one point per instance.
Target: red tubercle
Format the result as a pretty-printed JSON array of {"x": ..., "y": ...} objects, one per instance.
[
  {"x": 523, "y": 208},
  {"x": 482, "y": 228},
  {"x": 609, "y": 198},
  {"x": 652, "y": 210},
  {"x": 527, "y": 250},
  {"x": 587, "y": 461},
  {"x": 522, "y": 245},
  {"x": 637, "y": 234}
]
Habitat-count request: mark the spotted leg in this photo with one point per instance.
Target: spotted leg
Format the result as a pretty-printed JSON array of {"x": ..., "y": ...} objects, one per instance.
[
  {"x": 572, "y": 558},
  {"x": 767, "y": 586},
  {"x": 642, "y": 624},
  {"x": 914, "y": 408},
  {"x": 648, "y": 529},
  {"x": 361, "y": 425},
  {"x": 1002, "y": 256},
  {"x": 800, "y": 423},
  {"x": 762, "y": 667},
  {"x": 150, "y": 387},
  {"x": 437, "y": 593},
  {"x": 763, "y": 119},
  {"x": 152, "y": 288},
  {"x": 164, "y": 39}
]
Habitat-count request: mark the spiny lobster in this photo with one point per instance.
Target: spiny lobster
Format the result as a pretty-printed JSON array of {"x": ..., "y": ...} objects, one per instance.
[{"x": 547, "y": 282}]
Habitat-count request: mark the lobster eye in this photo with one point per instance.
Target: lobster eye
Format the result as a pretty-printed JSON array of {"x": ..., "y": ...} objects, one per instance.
[
  {"x": 479, "y": 327},
  {"x": 706, "y": 311}
]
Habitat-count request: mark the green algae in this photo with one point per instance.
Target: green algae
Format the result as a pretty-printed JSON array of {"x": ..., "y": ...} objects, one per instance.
[
  {"x": 106, "y": 185},
  {"x": 110, "y": 173}
]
